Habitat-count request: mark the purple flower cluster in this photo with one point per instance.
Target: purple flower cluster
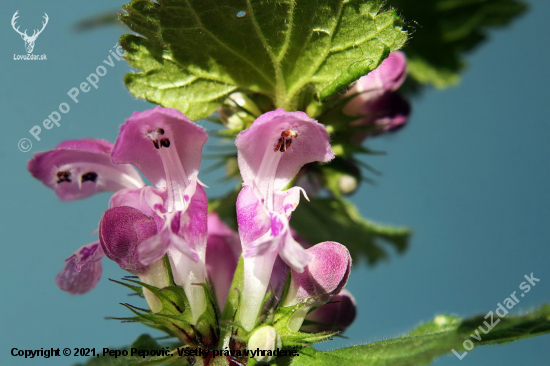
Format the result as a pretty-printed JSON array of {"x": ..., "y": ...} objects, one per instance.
[{"x": 146, "y": 224}]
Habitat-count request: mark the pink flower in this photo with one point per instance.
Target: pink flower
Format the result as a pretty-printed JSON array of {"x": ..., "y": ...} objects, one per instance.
[
  {"x": 143, "y": 223},
  {"x": 82, "y": 271},
  {"x": 377, "y": 100},
  {"x": 81, "y": 168},
  {"x": 78, "y": 169},
  {"x": 167, "y": 147},
  {"x": 334, "y": 316},
  {"x": 270, "y": 154},
  {"x": 325, "y": 276}
]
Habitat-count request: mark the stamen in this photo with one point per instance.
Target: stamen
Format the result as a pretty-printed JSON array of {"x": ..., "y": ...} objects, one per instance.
[
  {"x": 176, "y": 179},
  {"x": 280, "y": 145},
  {"x": 285, "y": 140},
  {"x": 63, "y": 177},
  {"x": 153, "y": 135},
  {"x": 268, "y": 167},
  {"x": 287, "y": 145},
  {"x": 90, "y": 176},
  {"x": 100, "y": 174}
]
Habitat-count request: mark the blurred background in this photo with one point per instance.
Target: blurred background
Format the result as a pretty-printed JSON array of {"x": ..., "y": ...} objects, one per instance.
[{"x": 469, "y": 174}]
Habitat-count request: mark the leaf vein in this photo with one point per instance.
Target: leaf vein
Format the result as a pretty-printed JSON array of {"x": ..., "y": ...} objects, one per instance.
[
  {"x": 288, "y": 34},
  {"x": 300, "y": 84},
  {"x": 219, "y": 41}
]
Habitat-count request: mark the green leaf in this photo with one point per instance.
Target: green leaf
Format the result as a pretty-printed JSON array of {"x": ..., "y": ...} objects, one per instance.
[
  {"x": 444, "y": 30},
  {"x": 194, "y": 53},
  {"x": 164, "y": 82},
  {"x": 431, "y": 340},
  {"x": 339, "y": 220}
]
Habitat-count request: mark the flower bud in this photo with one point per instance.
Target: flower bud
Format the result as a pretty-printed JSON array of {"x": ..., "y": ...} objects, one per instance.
[
  {"x": 121, "y": 230},
  {"x": 387, "y": 77},
  {"x": 377, "y": 101},
  {"x": 347, "y": 183},
  {"x": 325, "y": 276},
  {"x": 334, "y": 316},
  {"x": 266, "y": 340}
]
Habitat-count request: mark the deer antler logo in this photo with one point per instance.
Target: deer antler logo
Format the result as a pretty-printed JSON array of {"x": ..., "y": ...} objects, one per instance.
[{"x": 29, "y": 41}]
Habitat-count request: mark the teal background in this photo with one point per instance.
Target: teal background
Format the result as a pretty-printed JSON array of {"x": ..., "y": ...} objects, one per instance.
[{"x": 469, "y": 174}]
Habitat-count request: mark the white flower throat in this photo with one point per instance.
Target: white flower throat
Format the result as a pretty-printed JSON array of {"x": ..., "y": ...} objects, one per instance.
[
  {"x": 176, "y": 179},
  {"x": 265, "y": 180}
]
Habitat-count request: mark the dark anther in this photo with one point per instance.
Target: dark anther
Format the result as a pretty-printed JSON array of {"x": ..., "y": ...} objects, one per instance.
[
  {"x": 280, "y": 145},
  {"x": 284, "y": 144},
  {"x": 156, "y": 143},
  {"x": 165, "y": 142},
  {"x": 285, "y": 140},
  {"x": 160, "y": 131},
  {"x": 90, "y": 176},
  {"x": 63, "y": 177}
]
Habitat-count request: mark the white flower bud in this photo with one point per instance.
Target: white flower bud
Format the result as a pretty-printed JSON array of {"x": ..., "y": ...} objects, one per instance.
[
  {"x": 266, "y": 340},
  {"x": 347, "y": 184}
]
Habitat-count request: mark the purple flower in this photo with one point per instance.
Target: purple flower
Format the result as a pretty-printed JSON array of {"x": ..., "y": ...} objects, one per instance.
[
  {"x": 143, "y": 223},
  {"x": 325, "y": 276},
  {"x": 82, "y": 271},
  {"x": 222, "y": 255},
  {"x": 377, "y": 100},
  {"x": 270, "y": 154},
  {"x": 78, "y": 169},
  {"x": 121, "y": 230},
  {"x": 167, "y": 147},
  {"x": 334, "y": 316}
]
